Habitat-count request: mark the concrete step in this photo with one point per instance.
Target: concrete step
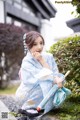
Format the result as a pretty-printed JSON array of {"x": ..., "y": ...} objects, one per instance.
[{"x": 5, "y": 113}]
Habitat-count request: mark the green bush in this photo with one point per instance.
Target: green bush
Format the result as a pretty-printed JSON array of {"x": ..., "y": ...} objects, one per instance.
[{"x": 67, "y": 55}]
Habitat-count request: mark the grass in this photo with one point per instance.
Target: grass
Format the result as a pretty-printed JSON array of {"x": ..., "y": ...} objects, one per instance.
[{"x": 9, "y": 90}]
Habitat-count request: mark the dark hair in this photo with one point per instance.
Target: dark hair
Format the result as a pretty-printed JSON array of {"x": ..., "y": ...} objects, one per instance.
[{"x": 30, "y": 37}]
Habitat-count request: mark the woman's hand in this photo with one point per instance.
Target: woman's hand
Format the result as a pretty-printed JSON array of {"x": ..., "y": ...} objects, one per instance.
[
  {"x": 37, "y": 56},
  {"x": 40, "y": 59},
  {"x": 58, "y": 81}
]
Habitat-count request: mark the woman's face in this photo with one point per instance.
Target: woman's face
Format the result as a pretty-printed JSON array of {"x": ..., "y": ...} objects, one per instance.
[{"x": 37, "y": 46}]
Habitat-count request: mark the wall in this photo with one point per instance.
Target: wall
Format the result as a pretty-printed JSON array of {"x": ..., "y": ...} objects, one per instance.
[
  {"x": 2, "y": 12},
  {"x": 47, "y": 33}
]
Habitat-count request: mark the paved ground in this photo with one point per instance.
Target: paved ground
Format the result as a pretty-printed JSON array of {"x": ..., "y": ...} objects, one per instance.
[{"x": 8, "y": 104}]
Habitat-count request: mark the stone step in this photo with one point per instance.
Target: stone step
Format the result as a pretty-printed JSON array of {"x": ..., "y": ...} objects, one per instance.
[{"x": 5, "y": 113}]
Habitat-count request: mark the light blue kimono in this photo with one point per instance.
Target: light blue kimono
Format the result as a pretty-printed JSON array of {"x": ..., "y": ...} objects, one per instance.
[{"x": 36, "y": 82}]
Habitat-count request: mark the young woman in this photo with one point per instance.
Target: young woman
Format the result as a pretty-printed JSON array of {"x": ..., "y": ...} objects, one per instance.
[{"x": 38, "y": 74}]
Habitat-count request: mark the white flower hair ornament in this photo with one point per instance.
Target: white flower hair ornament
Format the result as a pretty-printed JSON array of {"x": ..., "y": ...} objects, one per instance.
[{"x": 24, "y": 36}]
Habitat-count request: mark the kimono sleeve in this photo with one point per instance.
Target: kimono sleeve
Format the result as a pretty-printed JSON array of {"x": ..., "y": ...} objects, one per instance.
[
  {"x": 44, "y": 74},
  {"x": 26, "y": 73}
]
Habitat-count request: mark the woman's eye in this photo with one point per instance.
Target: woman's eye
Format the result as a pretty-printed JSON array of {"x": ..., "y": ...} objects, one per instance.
[
  {"x": 41, "y": 43},
  {"x": 34, "y": 44}
]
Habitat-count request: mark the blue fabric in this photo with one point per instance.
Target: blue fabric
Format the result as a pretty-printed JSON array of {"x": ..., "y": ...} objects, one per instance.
[{"x": 32, "y": 90}]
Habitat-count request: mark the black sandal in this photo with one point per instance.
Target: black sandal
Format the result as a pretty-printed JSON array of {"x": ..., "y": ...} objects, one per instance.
[{"x": 31, "y": 112}]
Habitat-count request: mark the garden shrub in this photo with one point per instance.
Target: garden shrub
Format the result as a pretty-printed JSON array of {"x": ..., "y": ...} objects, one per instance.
[{"x": 67, "y": 54}]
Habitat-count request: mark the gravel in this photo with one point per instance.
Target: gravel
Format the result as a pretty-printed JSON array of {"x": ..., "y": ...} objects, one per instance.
[{"x": 10, "y": 102}]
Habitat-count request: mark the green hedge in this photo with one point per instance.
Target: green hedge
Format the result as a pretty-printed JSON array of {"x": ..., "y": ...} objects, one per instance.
[{"x": 67, "y": 55}]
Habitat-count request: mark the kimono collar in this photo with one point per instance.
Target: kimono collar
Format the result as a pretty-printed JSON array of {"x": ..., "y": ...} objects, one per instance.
[{"x": 29, "y": 55}]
